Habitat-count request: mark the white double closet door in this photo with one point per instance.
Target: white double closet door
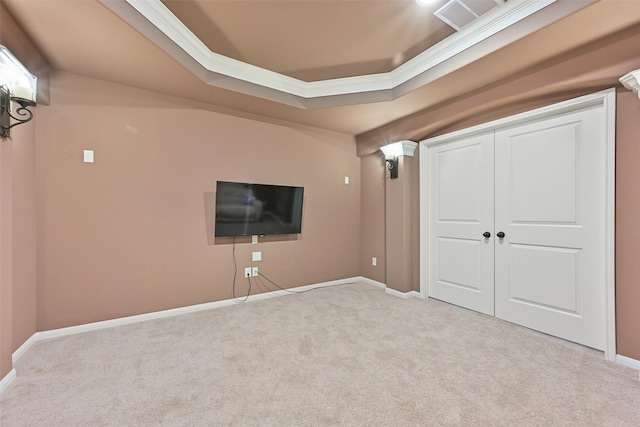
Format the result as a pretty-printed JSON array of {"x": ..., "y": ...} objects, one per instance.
[{"x": 517, "y": 224}]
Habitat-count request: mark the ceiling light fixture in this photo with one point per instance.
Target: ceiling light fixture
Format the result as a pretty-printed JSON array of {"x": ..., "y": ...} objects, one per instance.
[
  {"x": 17, "y": 84},
  {"x": 395, "y": 150}
]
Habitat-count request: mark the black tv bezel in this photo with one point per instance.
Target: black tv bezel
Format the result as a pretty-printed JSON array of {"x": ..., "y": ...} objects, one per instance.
[{"x": 218, "y": 233}]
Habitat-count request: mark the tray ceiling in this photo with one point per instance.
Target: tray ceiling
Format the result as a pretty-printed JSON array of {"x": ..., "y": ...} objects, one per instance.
[
  {"x": 277, "y": 35},
  {"x": 344, "y": 65}
]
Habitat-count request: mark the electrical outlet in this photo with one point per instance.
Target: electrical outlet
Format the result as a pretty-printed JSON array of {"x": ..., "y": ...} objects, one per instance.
[
  {"x": 247, "y": 272},
  {"x": 254, "y": 271},
  {"x": 374, "y": 261}
]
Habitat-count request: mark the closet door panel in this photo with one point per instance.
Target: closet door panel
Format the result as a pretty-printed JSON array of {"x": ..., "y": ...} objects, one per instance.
[
  {"x": 550, "y": 203},
  {"x": 460, "y": 211}
]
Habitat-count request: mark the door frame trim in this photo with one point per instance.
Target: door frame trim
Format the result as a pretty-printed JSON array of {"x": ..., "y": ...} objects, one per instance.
[{"x": 605, "y": 99}]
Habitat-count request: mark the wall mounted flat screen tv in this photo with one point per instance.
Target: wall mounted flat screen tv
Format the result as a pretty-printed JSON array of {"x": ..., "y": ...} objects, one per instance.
[{"x": 245, "y": 209}]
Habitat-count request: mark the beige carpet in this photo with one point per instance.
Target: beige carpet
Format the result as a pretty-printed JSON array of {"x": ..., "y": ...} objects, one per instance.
[{"x": 349, "y": 355}]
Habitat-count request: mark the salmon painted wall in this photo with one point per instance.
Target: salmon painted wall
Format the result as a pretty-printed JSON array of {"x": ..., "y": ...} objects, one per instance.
[
  {"x": 24, "y": 239},
  {"x": 6, "y": 258},
  {"x": 372, "y": 220},
  {"x": 627, "y": 227},
  {"x": 385, "y": 220},
  {"x": 18, "y": 222},
  {"x": 18, "y": 242},
  {"x": 132, "y": 232}
]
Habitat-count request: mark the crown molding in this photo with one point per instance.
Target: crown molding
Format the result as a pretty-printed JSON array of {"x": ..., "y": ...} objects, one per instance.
[
  {"x": 477, "y": 31},
  {"x": 173, "y": 36}
]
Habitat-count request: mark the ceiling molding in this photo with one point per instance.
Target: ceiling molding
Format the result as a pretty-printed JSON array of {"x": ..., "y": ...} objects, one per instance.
[
  {"x": 479, "y": 30},
  {"x": 225, "y": 72}
]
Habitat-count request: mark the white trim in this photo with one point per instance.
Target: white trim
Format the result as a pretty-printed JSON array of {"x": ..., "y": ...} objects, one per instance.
[
  {"x": 372, "y": 282},
  {"x": 25, "y": 347},
  {"x": 424, "y": 233},
  {"x": 606, "y": 99},
  {"x": 405, "y": 295},
  {"x": 215, "y": 69},
  {"x": 89, "y": 327},
  {"x": 587, "y": 101},
  {"x": 609, "y": 102},
  {"x": 72, "y": 330},
  {"x": 628, "y": 362},
  {"x": 105, "y": 324},
  {"x": 94, "y": 326},
  {"x": 7, "y": 380},
  {"x": 484, "y": 27},
  {"x": 487, "y": 25}
]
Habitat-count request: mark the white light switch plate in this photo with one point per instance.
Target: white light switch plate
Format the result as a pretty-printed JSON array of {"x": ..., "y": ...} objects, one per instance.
[
  {"x": 256, "y": 256},
  {"x": 88, "y": 156}
]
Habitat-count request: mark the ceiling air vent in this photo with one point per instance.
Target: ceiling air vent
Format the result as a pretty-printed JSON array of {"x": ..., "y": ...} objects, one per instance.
[{"x": 459, "y": 13}]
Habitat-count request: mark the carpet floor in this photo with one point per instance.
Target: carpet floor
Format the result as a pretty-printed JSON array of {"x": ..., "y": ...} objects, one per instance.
[{"x": 347, "y": 355}]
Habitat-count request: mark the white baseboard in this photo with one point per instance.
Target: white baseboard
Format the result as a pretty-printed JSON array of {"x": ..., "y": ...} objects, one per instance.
[
  {"x": 410, "y": 294},
  {"x": 89, "y": 327},
  {"x": 25, "y": 347},
  {"x": 7, "y": 380},
  {"x": 372, "y": 282},
  {"x": 628, "y": 362},
  {"x": 55, "y": 333}
]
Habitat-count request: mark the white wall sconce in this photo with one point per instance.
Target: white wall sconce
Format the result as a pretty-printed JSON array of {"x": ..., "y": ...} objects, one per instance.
[
  {"x": 17, "y": 84},
  {"x": 395, "y": 150},
  {"x": 631, "y": 81}
]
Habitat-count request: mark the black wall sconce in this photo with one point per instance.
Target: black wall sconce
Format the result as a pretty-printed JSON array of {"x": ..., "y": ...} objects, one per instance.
[
  {"x": 392, "y": 165},
  {"x": 17, "y": 84},
  {"x": 395, "y": 150}
]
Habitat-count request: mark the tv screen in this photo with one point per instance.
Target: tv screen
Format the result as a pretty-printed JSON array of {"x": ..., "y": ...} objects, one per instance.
[{"x": 244, "y": 209}]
